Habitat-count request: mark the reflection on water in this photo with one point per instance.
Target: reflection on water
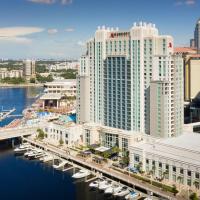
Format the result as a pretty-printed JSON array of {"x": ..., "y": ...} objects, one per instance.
[{"x": 22, "y": 179}]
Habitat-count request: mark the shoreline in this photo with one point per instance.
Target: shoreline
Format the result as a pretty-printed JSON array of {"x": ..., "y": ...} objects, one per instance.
[{"x": 20, "y": 85}]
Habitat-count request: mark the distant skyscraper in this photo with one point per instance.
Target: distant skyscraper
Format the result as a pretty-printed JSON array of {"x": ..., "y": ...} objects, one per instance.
[
  {"x": 197, "y": 35},
  {"x": 131, "y": 73},
  {"x": 29, "y": 69},
  {"x": 192, "y": 43}
]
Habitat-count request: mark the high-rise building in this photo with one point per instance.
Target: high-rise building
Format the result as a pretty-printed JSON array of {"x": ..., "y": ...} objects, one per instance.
[
  {"x": 29, "y": 69},
  {"x": 129, "y": 72},
  {"x": 197, "y": 36}
]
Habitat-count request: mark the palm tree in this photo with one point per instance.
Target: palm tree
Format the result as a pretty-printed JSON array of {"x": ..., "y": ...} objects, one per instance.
[
  {"x": 179, "y": 179},
  {"x": 154, "y": 169},
  {"x": 196, "y": 184}
]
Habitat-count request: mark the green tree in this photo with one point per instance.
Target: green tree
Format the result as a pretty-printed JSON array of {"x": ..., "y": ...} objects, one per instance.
[
  {"x": 61, "y": 142},
  {"x": 32, "y": 80},
  {"x": 41, "y": 134},
  {"x": 174, "y": 190},
  {"x": 42, "y": 79},
  {"x": 69, "y": 74},
  {"x": 194, "y": 196},
  {"x": 13, "y": 80}
]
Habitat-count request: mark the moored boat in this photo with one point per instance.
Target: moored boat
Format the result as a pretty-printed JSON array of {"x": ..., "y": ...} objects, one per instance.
[{"x": 81, "y": 174}]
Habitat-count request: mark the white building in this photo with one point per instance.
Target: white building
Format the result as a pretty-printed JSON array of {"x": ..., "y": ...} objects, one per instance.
[
  {"x": 57, "y": 91},
  {"x": 127, "y": 73},
  {"x": 65, "y": 65},
  {"x": 4, "y": 73},
  {"x": 69, "y": 134},
  {"x": 175, "y": 159}
]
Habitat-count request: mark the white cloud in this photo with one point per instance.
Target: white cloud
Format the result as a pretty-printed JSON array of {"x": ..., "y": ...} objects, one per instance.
[
  {"x": 69, "y": 29},
  {"x": 80, "y": 43},
  {"x": 63, "y": 2},
  {"x": 190, "y": 2},
  {"x": 52, "y": 31},
  {"x": 185, "y": 2},
  {"x": 16, "y": 34}
]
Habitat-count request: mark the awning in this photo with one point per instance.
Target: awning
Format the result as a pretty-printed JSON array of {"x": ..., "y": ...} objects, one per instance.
[{"x": 52, "y": 96}]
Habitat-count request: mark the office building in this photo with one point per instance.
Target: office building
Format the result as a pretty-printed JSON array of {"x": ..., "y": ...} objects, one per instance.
[
  {"x": 197, "y": 35},
  {"x": 192, "y": 81},
  {"x": 29, "y": 69}
]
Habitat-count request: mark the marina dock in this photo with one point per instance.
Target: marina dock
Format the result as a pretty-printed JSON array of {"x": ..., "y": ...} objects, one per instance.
[
  {"x": 6, "y": 113},
  {"x": 105, "y": 171}
]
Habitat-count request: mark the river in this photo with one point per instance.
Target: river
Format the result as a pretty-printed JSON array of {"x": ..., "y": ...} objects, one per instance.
[{"x": 22, "y": 179}]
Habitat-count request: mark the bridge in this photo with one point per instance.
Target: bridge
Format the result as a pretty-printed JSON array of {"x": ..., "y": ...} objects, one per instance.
[{"x": 9, "y": 133}]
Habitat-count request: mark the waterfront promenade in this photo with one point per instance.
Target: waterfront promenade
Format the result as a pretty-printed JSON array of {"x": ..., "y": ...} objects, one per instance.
[{"x": 105, "y": 169}]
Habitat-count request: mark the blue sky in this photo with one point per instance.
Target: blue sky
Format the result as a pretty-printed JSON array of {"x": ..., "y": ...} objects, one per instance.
[{"x": 59, "y": 28}]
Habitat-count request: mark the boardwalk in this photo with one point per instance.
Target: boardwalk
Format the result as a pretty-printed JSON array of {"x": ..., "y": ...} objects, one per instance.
[{"x": 104, "y": 170}]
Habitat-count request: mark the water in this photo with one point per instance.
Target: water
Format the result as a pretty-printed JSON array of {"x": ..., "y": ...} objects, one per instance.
[
  {"x": 21, "y": 179},
  {"x": 19, "y": 98}
]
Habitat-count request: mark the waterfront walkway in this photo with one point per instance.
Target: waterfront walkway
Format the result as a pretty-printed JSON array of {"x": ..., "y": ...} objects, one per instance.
[{"x": 105, "y": 169}]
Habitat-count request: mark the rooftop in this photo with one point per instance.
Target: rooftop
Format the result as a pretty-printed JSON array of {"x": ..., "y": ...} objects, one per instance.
[
  {"x": 184, "y": 50},
  {"x": 185, "y": 148},
  {"x": 52, "y": 96}
]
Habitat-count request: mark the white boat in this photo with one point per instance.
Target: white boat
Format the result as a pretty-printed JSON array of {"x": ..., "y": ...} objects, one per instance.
[
  {"x": 132, "y": 195},
  {"x": 30, "y": 151},
  {"x": 81, "y": 174},
  {"x": 40, "y": 155},
  {"x": 35, "y": 153},
  {"x": 105, "y": 185},
  {"x": 47, "y": 158},
  {"x": 22, "y": 149},
  {"x": 113, "y": 189},
  {"x": 60, "y": 165},
  {"x": 94, "y": 184},
  {"x": 124, "y": 191}
]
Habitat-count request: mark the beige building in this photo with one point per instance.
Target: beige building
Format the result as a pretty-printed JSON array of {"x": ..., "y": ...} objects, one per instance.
[
  {"x": 59, "y": 93},
  {"x": 192, "y": 76},
  {"x": 29, "y": 69},
  {"x": 4, "y": 73}
]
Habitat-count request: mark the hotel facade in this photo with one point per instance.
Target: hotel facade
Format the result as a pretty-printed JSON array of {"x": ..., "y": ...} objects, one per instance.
[{"x": 129, "y": 75}]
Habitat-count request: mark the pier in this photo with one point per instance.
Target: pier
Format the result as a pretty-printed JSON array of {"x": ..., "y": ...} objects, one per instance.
[
  {"x": 6, "y": 113},
  {"x": 103, "y": 170}
]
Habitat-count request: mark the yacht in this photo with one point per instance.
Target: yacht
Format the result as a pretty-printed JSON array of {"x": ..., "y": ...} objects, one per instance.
[
  {"x": 113, "y": 189},
  {"x": 30, "y": 151},
  {"x": 22, "y": 149},
  {"x": 124, "y": 191},
  {"x": 95, "y": 184},
  {"x": 35, "y": 153},
  {"x": 81, "y": 174},
  {"x": 46, "y": 158},
  {"x": 132, "y": 195},
  {"x": 60, "y": 165},
  {"x": 105, "y": 185}
]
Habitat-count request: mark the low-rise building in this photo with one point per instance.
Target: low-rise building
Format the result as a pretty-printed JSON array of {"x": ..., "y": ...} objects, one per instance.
[
  {"x": 174, "y": 159},
  {"x": 58, "y": 93},
  {"x": 64, "y": 66},
  {"x": 4, "y": 73},
  {"x": 68, "y": 135}
]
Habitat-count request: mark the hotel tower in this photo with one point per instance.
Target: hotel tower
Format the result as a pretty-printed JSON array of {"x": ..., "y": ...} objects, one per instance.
[{"x": 130, "y": 82}]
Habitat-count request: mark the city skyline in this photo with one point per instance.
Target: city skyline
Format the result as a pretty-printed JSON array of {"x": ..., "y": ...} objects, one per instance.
[{"x": 67, "y": 24}]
